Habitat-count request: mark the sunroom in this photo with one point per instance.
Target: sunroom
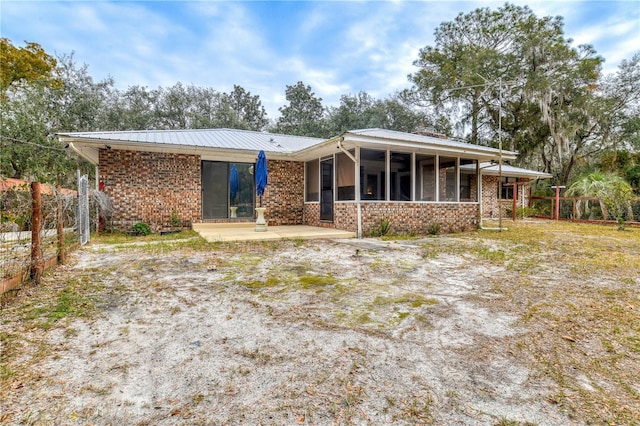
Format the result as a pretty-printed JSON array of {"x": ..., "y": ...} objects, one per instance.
[{"x": 414, "y": 180}]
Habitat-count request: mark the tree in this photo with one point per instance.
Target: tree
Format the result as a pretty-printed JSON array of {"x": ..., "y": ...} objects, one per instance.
[
  {"x": 304, "y": 116},
  {"x": 621, "y": 91},
  {"x": 354, "y": 112},
  {"x": 32, "y": 113},
  {"x": 24, "y": 65},
  {"x": 240, "y": 110},
  {"x": 174, "y": 107},
  {"x": 207, "y": 104},
  {"x": 132, "y": 109},
  {"x": 510, "y": 71},
  {"x": 362, "y": 111},
  {"x": 80, "y": 104}
]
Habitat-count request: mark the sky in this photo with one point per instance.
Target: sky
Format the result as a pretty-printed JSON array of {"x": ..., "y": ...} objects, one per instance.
[{"x": 336, "y": 47}]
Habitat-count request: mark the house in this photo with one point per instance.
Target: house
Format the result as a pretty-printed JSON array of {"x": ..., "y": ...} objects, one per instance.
[
  {"x": 349, "y": 182},
  {"x": 515, "y": 181}
]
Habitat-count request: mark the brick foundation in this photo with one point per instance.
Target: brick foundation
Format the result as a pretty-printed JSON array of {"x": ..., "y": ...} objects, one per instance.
[{"x": 406, "y": 218}]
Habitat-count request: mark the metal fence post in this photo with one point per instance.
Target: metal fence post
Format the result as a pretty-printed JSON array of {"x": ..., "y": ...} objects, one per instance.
[{"x": 82, "y": 219}]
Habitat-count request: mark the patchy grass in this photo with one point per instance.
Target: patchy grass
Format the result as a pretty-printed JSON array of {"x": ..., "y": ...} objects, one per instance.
[
  {"x": 572, "y": 289},
  {"x": 71, "y": 299},
  {"x": 116, "y": 238},
  {"x": 583, "y": 325},
  {"x": 411, "y": 299},
  {"x": 270, "y": 281},
  {"x": 317, "y": 282},
  {"x": 33, "y": 311}
]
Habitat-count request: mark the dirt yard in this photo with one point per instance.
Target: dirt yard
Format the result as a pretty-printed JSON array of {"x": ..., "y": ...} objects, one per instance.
[{"x": 537, "y": 325}]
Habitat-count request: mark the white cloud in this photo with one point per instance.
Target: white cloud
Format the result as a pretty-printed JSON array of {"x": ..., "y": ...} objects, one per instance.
[{"x": 335, "y": 47}]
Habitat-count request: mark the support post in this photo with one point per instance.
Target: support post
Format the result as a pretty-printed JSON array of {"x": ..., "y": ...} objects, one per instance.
[
  {"x": 60, "y": 225},
  {"x": 515, "y": 201},
  {"x": 557, "y": 188},
  {"x": 35, "y": 272}
]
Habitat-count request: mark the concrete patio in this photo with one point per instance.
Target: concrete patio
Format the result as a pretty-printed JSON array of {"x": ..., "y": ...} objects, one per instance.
[{"x": 246, "y": 231}]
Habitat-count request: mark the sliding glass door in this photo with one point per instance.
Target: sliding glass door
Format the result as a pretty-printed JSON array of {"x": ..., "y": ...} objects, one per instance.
[{"x": 217, "y": 190}]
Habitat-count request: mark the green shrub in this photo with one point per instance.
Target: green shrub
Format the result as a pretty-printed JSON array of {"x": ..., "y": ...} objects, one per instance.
[
  {"x": 175, "y": 220},
  {"x": 382, "y": 229},
  {"x": 522, "y": 212},
  {"x": 433, "y": 229},
  {"x": 141, "y": 228}
]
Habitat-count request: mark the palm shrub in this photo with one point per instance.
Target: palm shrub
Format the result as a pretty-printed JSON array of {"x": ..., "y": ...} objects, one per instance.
[{"x": 614, "y": 194}]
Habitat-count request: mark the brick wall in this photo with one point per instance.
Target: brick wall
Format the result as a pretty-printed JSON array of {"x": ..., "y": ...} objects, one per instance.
[
  {"x": 284, "y": 194},
  {"x": 345, "y": 216},
  {"x": 406, "y": 218},
  {"x": 149, "y": 186},
  {"x": 490, "y": 198}
]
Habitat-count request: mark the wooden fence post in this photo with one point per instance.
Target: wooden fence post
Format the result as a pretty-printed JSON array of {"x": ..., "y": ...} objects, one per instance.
[
  {"x": 36, "y": 228},
  {"x": 60, "y": 226}
]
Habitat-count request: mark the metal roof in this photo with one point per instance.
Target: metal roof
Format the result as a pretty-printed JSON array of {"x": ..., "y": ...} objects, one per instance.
[
  {"x": 430, "y": 141},
  {"x": 209, "y": 138},
  {"x": 242, "y": 145},
  {"x": 507, "y": 170}
]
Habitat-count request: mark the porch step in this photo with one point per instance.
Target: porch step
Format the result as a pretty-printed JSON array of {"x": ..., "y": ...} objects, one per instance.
[
  {"x": 246, "y": 231},
  {"x": 220, "y": 225}
]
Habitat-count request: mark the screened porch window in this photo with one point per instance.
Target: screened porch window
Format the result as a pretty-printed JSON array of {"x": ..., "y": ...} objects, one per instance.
[
  {"x": 425, "y": 178},
  {"x": 372, "y": 174},
  {"x": 312, "y": 180},
  {"x": 447, "y": 173},
  {"x": 400, "y": 174},
  {"x": 468, "y": 180},
  {"x": 346, "y": 177}
]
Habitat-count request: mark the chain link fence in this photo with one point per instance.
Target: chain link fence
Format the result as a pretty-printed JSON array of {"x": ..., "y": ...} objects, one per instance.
[{"x": 63, "y": 218}]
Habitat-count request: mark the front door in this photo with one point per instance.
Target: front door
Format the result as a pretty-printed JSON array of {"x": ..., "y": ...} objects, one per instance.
[{"x": 326, "y": 190}]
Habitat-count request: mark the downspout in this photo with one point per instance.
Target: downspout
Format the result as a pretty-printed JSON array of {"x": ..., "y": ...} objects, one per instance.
[
  {"x": 479, "y": 174},
  {"x": 356, "y": 189},
  {"x": 97, "y": 204}
]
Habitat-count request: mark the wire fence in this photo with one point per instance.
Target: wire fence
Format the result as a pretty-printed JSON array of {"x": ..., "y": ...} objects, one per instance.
[
  {"x": 40, "y": 224},
  {"x": 582, "y": 209}
]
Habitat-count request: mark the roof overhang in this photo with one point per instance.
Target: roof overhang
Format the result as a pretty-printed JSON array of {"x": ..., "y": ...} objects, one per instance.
[
  {"x": 351, "y": 140},
  {"x": 512, "y": 171},
  {"x": 88, "y": 146},
  {"x": 89, "y": 149}
]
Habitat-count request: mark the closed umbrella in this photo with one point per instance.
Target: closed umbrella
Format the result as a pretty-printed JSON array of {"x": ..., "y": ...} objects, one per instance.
[
  {"x": 234, "y": 182},
  {"x": 261, "y": 175}
]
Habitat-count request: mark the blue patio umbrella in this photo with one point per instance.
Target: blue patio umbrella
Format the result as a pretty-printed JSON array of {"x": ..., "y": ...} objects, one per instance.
[
  {"x": 261, "y": 175},
  {"x": 234, "y": 182}
]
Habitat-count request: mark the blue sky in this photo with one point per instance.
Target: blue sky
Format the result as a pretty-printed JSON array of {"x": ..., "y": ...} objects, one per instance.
[{"x": 335, "y": 47}]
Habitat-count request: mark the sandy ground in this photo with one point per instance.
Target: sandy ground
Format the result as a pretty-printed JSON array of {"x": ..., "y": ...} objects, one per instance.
[{"x": 320, "y": 332}]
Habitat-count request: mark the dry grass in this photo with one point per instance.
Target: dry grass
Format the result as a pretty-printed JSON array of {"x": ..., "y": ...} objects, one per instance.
[
  {"x": 572, "y": 287},
  {"x": 583, "y": 325}
]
